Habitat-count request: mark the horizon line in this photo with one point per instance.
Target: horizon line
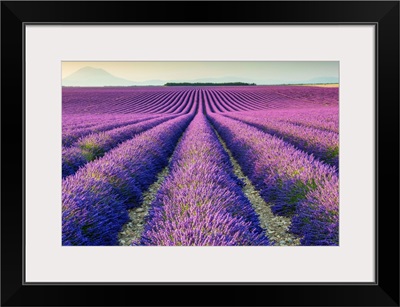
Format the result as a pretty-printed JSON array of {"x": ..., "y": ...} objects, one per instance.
[{"x": 216, "y": 84}]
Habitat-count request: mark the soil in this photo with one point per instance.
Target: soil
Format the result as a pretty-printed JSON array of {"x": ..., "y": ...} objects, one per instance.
[{"x": 276, "y": 227}]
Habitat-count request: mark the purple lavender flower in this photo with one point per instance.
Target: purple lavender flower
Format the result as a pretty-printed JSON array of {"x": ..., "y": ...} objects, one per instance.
[
  {"x": 284, "y": 175},
  {"x": 96, "y": 198},
  {"x": 200, "y": 202},
  {"x": 95, "y": 145},
  {"x": 322, "y": 144}
]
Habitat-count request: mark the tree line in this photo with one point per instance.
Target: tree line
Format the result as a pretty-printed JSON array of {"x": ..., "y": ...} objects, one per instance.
[{"x": 207, "y": 84}]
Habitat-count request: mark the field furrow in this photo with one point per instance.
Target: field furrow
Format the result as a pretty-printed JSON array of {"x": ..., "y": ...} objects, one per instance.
[
  {"x": 200, "y": 201},
  {"x": 95, "y": 201},
  {"x": 188, "y": 164},
  {"x": 70, "y": 136},
  {"x": 324, "y": 145},
  {"x": 96, "y": 145},
  {"x": 324, "y": 118},
  {"x": 287, "y": 177},
  {"x": 275, "y": 226}
]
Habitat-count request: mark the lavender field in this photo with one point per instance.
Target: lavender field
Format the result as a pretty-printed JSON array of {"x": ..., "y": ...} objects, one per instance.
[{"x": 200, "y": 165}]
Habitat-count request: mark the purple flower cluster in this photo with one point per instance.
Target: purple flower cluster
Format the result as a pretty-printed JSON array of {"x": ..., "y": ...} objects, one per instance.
[
  {"x": 200, "y": 202},
  {"x": 95, "y": 199},
  {"x": 228, "y": 99},
  {"x": 169, "y": 99},
  {"x": 95, "y": 145},
  {"x": 240, "y": 99},
  {"x": 317, "y": 216},
  {"x": 314, "y": 94},
  {"x": 72, "y": 133},
  {"x": 321, "y": 143},
  {"x": 116, "y": 141},
  {"x": 76, "y": 121},
  {"x": 322, "y": 118},
  {"x": 122, "y": 100},
  {"x": 284, "y": 175}
]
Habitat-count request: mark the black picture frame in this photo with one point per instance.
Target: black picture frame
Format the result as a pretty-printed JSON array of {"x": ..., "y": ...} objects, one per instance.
[{"x": 383, "y": 14}]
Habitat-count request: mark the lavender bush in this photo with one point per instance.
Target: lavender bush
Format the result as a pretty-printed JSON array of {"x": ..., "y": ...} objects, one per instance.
[
  {"x": 283, "y": 174},
  {"x": 96, "y": 198},
  {"x": 95, "y": 145},
  {"x": 72, "y": 133},
  {"x": 200, "y": 202},
  {"x": 322, "y": 144}
]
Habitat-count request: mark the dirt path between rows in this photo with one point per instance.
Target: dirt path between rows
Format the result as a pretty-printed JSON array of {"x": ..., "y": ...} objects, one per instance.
[
  {"x": 132, "y": 231},
  {"x": 276, "y": 227}
]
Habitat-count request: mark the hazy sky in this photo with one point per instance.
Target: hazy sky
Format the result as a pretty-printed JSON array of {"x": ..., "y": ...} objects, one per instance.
[{"x": 169, "y": 71}]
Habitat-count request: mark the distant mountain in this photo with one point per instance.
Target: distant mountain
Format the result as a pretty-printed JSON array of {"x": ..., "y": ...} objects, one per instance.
[{"x": 89, "y": 76}]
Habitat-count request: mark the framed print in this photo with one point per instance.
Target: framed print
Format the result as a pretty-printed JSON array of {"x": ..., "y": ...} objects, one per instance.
[{"x": 246, "y": 148}]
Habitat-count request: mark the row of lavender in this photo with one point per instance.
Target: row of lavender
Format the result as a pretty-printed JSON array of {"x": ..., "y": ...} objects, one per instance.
[
  {"x": 87, "y": 138},
  {"x": 126, "y": 101},
  {"x": 321, "y": 143},
  {"x": 73, "y": 131},
  {"x": 172, "y": 99},
  {"x": 96, "y": 199},
  {"x": 200, "y": 202},
  {"x": 324, "y": 118},
  {"x": 95, "y": 145},
  {"x": 296, "y": 184}
]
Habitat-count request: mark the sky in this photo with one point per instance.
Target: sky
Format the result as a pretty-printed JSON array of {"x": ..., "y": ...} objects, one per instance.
[{"x": 250, "y": 71}]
